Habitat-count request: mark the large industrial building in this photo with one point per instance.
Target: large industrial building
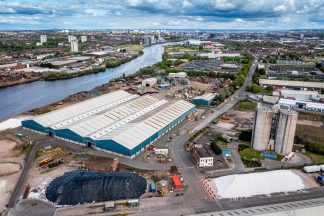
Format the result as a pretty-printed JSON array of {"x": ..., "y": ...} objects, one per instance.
[
  {"x": 117, "y": 122},
  {"x": 274, "y": 129},
  {"x": 294, "y": 85},
  {"x": 319, "y": 107}
]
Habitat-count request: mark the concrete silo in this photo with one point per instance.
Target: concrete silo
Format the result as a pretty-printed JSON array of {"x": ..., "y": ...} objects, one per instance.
[
  {"x": 286, "y": 132},
  {"x": 262, "y": 128}
]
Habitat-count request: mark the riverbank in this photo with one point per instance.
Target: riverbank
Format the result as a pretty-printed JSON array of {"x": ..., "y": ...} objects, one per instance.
[
  {"x": 58, "y": 74},
  {"x": 21, "y": 98},
  {"x": 64, "y": 75},
  {"x": 112, "y": 63},
  {"x": 21, "y": 81}
]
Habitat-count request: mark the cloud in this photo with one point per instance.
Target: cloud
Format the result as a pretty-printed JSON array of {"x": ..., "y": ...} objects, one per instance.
[{"x": 167, "y": 13}]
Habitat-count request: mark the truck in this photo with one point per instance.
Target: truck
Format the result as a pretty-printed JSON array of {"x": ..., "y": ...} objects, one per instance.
[
  {"x": 320, "y": 179},
  {"x": 312, "y": 169},
  {"x": 45, "y": 161}
]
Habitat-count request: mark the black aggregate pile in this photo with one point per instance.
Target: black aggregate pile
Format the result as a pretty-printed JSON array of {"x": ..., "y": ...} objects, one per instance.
[{"x": 79, "y": 187}]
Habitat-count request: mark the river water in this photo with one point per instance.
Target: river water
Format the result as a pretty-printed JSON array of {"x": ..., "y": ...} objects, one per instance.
[{"x": 24, "y": 97}]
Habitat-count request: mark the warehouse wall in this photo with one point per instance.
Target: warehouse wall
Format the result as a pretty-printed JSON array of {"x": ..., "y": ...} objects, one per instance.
[
  {"x": 69, "y": 135},
  {"x": 32, "y": 125}
]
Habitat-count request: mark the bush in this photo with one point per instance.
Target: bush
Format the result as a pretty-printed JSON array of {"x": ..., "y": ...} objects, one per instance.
[
  {"x": 254, "y": 88},
  {"x": 246, "y": 136},
  {"x": 251, "y": 163},
  {"x": 216, "y": 148},
  {"x": 245, "y": 105},
  {"x": 314, "y": 147},
  {"x": 241, "y": 147}
]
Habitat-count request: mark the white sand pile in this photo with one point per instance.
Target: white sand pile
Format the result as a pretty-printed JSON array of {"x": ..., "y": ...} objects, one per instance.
[
  {"x": 2, "y": 187},
  {"x": 12, "y": 123},
  {"x": 8, "y": 168},
  {"x": 247, "y": 185}
]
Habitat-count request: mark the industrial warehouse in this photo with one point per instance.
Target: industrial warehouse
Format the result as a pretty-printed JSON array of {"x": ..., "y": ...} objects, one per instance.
[{"x": 117, "y": 122}]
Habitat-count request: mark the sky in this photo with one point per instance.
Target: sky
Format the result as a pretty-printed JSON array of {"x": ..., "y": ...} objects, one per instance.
[{"x": 161, "y": 14}]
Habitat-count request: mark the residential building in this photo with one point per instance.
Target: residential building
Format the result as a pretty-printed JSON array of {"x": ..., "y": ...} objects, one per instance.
[
  {"x": 84, "y": 38},
  {"x": 43, "y": 39},
  {"x": 74, "y": 45}
]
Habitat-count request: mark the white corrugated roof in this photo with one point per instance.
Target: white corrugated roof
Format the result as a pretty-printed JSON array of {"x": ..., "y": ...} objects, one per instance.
[
  {"x": 112, "y": 118},
  {"x": 291, "y": 83},
  {"x": 123, "y": 121},
  {"x": 206, "y": 96},
  {"x": 134, "y": 134},
  {"x": 81, "y": 110}
]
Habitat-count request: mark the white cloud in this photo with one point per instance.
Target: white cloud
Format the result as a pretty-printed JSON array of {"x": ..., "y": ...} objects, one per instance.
[{"x": 280, "y": 8}]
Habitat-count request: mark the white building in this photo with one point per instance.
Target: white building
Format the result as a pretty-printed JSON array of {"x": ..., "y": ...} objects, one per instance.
[
  {"x": 74, "y": 45},
  {"x": 178, "y": 75},
  {"x": 149, "y": 82},
  {"x": 43, "y": 39},
  {"x": 213, "y": 55},
  {"x": 161, "y": 151},
  {"x": 71, "y": 37},
  {"x": 299, "y": 95},
  {"x": 194, "y": 42},
  {"x": 84, "y": 38},
  {"x": 202, "y": 156}
]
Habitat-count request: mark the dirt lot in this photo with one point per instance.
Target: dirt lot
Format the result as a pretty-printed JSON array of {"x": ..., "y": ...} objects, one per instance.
[
  {"x": 308, "y": 179},
  {"x": 238, "y": 121},
  {"x": 39, "y": 178},
  {"x": 9, "y": 154},
  {"x": 310, "y": 128},
  {"x": 200, "y": 86}
]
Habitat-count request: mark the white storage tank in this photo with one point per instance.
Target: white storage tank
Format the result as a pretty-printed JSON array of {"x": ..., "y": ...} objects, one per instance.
[
  {"x": 286, "y": 132},
  {"x": 262, "y": 128}
]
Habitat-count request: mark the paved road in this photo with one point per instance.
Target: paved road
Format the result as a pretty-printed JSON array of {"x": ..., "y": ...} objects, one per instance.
[
  {"x": 195, "y": 200},
  {"x": 41, "y": 141},
  {"x": 230, "y": 102}
]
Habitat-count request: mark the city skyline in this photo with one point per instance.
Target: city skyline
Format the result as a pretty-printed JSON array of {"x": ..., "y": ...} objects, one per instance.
[{"x": 153, "y": 14}]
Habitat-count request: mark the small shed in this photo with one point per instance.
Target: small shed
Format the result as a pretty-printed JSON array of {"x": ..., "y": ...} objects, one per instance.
[
  {"x": 205, "y": 99},
  {"x": 149, "y": 82}
]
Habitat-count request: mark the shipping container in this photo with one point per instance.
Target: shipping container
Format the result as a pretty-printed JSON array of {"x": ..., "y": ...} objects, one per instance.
[{"x": 176, "y": 182}]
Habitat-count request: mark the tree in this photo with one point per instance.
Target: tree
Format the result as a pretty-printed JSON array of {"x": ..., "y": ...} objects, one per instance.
[
  {"x": 216, "y": 148},
  {"x": 269, "y": 88},
  {"x": 254, "y": 88},
  {"x": 246, "y": 136},
  {"x": 239, "y": 81}
]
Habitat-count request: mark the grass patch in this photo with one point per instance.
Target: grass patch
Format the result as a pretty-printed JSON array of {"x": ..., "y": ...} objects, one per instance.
[
  {"x": 316, "y": 158},
  {"x": 245, "y": 105},
  {"x": 250, "y": 153},
  {"x": 132, "y": 47}
]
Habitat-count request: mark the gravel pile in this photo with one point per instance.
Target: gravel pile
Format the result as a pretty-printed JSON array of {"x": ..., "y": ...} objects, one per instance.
[
  {"x": 79, "y": 187},
  {"x": 8, "y": 168}
]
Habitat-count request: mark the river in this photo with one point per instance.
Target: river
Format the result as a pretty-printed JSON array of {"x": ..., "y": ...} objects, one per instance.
[{"x": 24, "y": 97}]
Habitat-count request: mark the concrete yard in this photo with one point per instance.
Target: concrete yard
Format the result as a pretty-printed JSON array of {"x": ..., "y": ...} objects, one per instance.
[{"x": 8, "y": 154}]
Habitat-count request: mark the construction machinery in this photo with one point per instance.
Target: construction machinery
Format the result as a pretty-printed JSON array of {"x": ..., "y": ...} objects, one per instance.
[{"x": 225, "y": 117}]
